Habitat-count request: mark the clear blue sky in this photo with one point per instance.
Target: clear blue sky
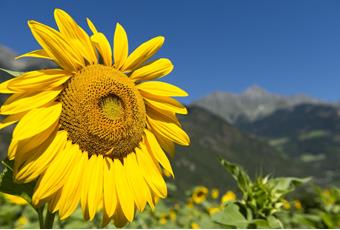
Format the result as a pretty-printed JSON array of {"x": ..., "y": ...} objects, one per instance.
[{"x": 287, "y": 47}]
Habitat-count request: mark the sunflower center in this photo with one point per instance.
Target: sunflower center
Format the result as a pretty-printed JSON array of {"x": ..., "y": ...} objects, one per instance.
[
  {"x": 112, "y": 107},
  {"x": 103, "y": 112}
]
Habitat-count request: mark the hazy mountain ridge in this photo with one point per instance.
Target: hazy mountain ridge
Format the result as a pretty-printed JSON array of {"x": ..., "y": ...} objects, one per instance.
[{"x": 250, "y": 105}]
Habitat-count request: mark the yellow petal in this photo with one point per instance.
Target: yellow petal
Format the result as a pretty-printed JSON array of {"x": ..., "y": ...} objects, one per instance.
[
  {"x": 169, "y": 130},
  {"x": 157, "y": 152},
  {"x": 164, "y": 103},
  {"x": 26, "y": 148},
  {"x": 121, "y": 46},
  {"x": 85, "y": 186},
  {"x": 96, "y": 189},
  {"x": 150, "y": 171},
  {"x": 39, "y": 80},
  {"x": 35, "y": 54},
  {"x": 136, "y": 181},
  {"x": 166, "y": 144},
  {"x": 119, "y": 217},
  {"x": 18, "y": 103},
  {"x": 53, "y": 201},
  {"x": 124, "y": 192},
  {"x": 159, "y": 88},
  {"x": 56, "y": 47},
  {"x": 75, "y": 35},
  {"x": 153, "y": 70},
  {"x": 91, "y": 26},
  {"x": 54, "y": 177},
  {"x": 103, "y": 47},
  {"x": 22, "y": 149},
  {"x": 37, "y": 163},
  {"x": 11, "y": 119},
  {"x": 72, "y": 186},
  {"x": 163, "y": 115},
  {"x": 110, "y": 195},
  {"x": 36, "y": 121},
  {"x": 4, "y": 87},
  {"x": 143, "y": 53}
]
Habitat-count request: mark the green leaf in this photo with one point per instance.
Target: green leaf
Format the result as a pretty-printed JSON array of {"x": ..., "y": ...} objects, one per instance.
[
  {"x": 287, "y": 184},
  {"x": 11, "y": 72},
  {"x": 239, "y": 174},
  {"x": 231, "y": 217},
  {"x": 261, "y": 223},
  {"x": 7, "y": 184},
  {"x": 273, "y": 222}
]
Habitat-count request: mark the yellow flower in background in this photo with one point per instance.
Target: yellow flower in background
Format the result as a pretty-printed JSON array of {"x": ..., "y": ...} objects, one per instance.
[
  {"x": 215, "y": 193},
  {"x": 21, "y": 222},
  {"x": 15, "y": 199},
  {"x": 286, "y": 204},
  {"x": 228, "y": 196},
  {"x": 297, "y": 204},
  {"x": 213, "y": 210},
  {"x": 199, "y": 194},
  {"x": 172, "y": 215},
  {"x": 195, "y": 226},
  {"x": 95, "y": 129},
  {"x": 163, "y": 220}
]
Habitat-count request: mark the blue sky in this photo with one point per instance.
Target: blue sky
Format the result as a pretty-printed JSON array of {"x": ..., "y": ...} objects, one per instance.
[{"x": 287, "y": 47}]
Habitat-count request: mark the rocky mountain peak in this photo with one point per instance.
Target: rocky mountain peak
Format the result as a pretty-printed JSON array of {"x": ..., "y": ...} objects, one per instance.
[{"x": 255, "y": 91}]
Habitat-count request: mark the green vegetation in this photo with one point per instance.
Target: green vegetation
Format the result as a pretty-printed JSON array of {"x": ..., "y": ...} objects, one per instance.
[{"x": 264, "y": 202}]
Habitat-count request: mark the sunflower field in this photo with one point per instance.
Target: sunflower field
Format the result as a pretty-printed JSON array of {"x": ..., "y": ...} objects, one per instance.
[{"x": 263, "y": 202}]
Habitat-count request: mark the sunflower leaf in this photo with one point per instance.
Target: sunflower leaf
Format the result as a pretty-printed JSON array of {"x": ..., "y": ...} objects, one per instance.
[
  {"x": 239, "y": 174},
  {"x": 11, "y": 72},
  {"x": 7, "y": 184},
  {"x": 231, "y": 217}
]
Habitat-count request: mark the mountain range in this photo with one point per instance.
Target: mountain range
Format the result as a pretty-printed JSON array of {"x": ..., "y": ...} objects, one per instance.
[{"x": 252, "y": 104}]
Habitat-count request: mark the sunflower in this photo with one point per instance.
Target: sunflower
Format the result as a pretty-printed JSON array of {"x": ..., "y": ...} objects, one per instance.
[
  {"x": 199, "y": 194},
  {"x": 228, "y": 196},
  {"x": 93, "y": 131}
]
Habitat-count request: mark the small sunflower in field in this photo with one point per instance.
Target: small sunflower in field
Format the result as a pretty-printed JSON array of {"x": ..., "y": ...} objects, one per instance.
[
  {"x": 96, "y": 129},
  {"x": 195, "y": 226},
  {"x": 215, "y": 193},
  {"x": 228, "y": 196},
  {"x": 297, "y": 204},
  {"x": 199, "y": 194},
  {"x": 213, "y": 210}
]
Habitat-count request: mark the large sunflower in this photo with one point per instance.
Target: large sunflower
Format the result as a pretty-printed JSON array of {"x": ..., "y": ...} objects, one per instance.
[{"x": 93, "y": 131}]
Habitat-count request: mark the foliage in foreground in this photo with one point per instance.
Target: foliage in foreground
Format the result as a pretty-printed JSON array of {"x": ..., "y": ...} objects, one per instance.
[{"x": 262, "y": 204}]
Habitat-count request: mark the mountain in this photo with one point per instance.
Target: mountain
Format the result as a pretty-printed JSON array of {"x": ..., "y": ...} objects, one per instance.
[
  {"x": 211, "y": 136},
  {"x": 7, "y": 61},
  {"x": 250, "y": 105},
  {"x": 308, "y": 133}
]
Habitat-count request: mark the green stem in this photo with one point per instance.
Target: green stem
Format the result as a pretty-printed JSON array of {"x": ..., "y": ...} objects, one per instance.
[
  {"x": 41, "y": 217},
  {"x": 49, "y": 219}
]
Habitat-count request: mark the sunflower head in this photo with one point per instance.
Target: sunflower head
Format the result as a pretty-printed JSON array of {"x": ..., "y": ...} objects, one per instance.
[
  {"x": 228, "y": 196},
  {"x": 94, "y": 131},
  {"x": 199, "y": 194}
]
